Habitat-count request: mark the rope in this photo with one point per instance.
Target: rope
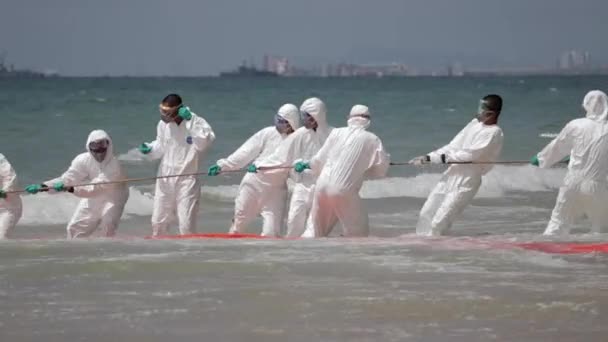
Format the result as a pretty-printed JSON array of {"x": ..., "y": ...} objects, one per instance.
[
  {"x": 143, "y": 179},
  {"x": 261, "y": 168},
  {"x": 508, "y": 162}
]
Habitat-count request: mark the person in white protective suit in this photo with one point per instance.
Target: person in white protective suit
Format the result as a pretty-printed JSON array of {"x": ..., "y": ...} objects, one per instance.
[
  {"x": 303, "y": 145},
  {"x": 101, "y": 205},
  {"x": 182, "y": 139},
  {"x": 585, "y": 188},
  {"x": 261, "y": 193},
  {"x": 349, "y": 156},
  {"x": 10, "y": 204},
  {"x": 479, "y": 141}
]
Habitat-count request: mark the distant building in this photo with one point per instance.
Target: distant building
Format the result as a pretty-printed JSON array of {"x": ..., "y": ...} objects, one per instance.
[
  {"x": 455, "y": 70},
  {"x": 574, "y": 59},
  {"x": 277, "y": 65},
  {"x": 367, "y": 70}
]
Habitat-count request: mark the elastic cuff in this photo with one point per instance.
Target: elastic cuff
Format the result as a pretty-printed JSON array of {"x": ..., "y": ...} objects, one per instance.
[
  {"x": 436, "y": 158},
  {"x": 221, "y": 163}
]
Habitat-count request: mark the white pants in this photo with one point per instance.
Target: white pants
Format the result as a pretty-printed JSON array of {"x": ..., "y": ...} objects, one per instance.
[
  {"x": 446, "y": 203},
  {"x": 9, "y": 218},
  {"x": 330, "y": 207},
  {"x": 299, "y": 209},
  {"x": 92, "y": 213},
  {"x": 173, "y": 197},
  {"x": 259, "y": 198},
  {"x": 572, "y": 205}
]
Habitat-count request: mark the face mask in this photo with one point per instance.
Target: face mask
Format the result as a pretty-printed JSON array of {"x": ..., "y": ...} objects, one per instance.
[
  {"x": 167, "y": 114},
  {"x": 282, "y": 125},
  {"x": 484, "y": 113},
  {"x": 166, "y": 118},
  {"x": 308, "y": 121},
  {"x": 359, "y": 121},
  {"x": 481, "y": 108},
  {"x": 99, "y": 149},
  {"x": 100, "y": 157}
]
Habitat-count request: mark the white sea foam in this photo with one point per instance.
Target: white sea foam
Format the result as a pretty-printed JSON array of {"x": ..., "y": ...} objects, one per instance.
[{"x": 57, "y": 209}]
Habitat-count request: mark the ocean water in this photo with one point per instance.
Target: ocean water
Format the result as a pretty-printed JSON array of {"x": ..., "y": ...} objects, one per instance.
[{"x": 392, "y": 286}]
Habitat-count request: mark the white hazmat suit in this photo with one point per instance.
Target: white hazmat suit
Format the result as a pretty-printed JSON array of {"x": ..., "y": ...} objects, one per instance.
[
  {"x": 180, "y": 148},
  {"x": 585, "y": 188},
  {"x": 477, "y": 142},
  {"x": 349, "y": 156},
  {"x": 263, "y": 193},
  {"x": 11, "y": 206},
  {"x": 303, "y": 145},
  {"x": 101, "y": 205}
]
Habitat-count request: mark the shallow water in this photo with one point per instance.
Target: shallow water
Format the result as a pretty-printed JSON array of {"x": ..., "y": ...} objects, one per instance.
[
  {"x": 472, "y": 286},
  {"x": 327, "y": 290}
]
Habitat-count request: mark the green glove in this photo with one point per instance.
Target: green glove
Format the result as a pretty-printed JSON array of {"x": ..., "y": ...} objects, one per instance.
[
  {"x": 2, "y": 194},
  {"x": 252, "y": 168},
  {"x": 184, "y": 113},
  {"x": 145, "y": 148},
  {"x": 214, "y": 170},
  {"x": 566, "y": 160},
  {"x": 59, "y": 187},
  {"x": 35, "y": 188},
  {"x": 301, "y": 166},
  {"x": 534, "y": 161}
]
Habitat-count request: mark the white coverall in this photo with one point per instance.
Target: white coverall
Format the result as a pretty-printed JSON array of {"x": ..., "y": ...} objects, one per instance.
[
  {"x": 585, "y": 188},
  {"x": 10, "y": 207},
  {"x": 303, "y": 145},
  {"x": 477, "y": 142},
  {"x": 349, "y": 156},
  {"x": 101, "y": 205},
  {"x": 180, "y": 148},
  {"x": 263, "y": 193}
]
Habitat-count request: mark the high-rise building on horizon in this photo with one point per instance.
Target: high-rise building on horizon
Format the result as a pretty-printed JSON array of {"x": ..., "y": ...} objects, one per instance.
[
  {"x": 278, "y": 65},
  {"x": 574, "y": 59}
]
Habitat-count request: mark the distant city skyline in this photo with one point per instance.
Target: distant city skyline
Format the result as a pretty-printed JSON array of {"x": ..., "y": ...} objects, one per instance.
[
  {"x": 192, "y": 38},
  {"x": 571, "y": 62}
]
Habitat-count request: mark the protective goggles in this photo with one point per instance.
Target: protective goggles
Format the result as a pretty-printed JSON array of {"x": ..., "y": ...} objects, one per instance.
[
  {"x": 304, "y": 115},
  {"x": 365, "y": 116},
  {"x": 306, "y": 118},
  {"x": 280, "y": 121},
  {"x": 99, "y": 146},
  {"x": 484, "y": 108},
  {"x": 168, "y": 111}
]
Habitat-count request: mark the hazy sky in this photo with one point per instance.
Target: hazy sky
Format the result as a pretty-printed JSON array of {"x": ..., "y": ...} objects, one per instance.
[{"x": 203, "y": 37}]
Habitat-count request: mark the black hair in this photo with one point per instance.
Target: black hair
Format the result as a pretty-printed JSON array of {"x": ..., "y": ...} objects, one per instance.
[
  {"x": 172, "y": 100},
  {"x": 493, "y": 103}
]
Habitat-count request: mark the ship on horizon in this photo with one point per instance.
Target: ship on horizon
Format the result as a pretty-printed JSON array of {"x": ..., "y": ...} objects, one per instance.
[
  {"x": 248, "y": 71},
  {"x": 11, "y": 72}
]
